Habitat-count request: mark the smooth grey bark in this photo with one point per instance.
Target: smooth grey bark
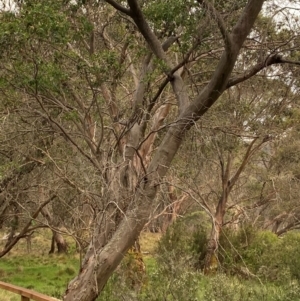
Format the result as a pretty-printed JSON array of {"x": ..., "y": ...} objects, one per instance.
[{"x": 97, "y": 268}]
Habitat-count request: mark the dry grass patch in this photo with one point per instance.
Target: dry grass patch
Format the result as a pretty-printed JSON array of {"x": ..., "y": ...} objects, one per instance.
[
  {"x": 149, "y": 242},
  {"x": 8, "y": 296}
]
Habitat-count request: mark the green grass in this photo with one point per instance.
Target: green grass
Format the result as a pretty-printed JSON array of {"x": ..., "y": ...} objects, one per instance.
[
  {"x": 39, "y": 271},
  {"x": 231, "y": 288},
  {"x": 49, "y": 274},
  {"x": 45, "y": 274}
]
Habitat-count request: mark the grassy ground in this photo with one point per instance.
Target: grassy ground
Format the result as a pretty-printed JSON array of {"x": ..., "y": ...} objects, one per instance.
[
  {"x": 44, "y": 273},
  {"x": 49, "y": 274},
  {"x": 37, "y": 270}
]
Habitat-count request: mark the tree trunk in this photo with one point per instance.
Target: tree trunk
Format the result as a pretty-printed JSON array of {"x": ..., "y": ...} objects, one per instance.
[
  {"x": 28, "y": 241},
  {"x": 59, "y": 241},
  {"x": 62, "y": 246},
  {"x": 26, "y": 229},
  {"x": 52, "y": 248},
  {"x": 57, "y": 238},
  {"x": 13, "y": 229},
  {"x": 101, "y": 261},
  {"x": 83, "y": 222},
  {"x": 211, "y": 256},
  {"x": 107, "y": 257},
  {"x": 228, "y": 182}
]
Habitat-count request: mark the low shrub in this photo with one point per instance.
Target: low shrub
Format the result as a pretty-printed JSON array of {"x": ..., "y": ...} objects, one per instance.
[
  {"x": 184, "y": 243},
  {"x": 261, "y": 253}
]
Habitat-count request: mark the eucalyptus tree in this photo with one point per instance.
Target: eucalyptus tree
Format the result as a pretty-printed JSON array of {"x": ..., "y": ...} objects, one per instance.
[
  {"x": 228, "y": 157},
  {"x": 119, "y": 84},
  {"x": 283, "y": 214}
]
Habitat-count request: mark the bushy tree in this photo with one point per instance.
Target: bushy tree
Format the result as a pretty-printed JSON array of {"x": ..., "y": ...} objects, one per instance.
[{"x": 106, "y": 93}]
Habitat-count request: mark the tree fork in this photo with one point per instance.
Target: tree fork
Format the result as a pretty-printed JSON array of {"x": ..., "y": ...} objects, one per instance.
[{"x": 97, "y": 269}]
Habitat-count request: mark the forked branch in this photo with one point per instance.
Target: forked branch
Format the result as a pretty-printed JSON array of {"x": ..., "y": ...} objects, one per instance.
[
  {"x": 225, "y": 35},
  {"x": 119, "y": 7}
]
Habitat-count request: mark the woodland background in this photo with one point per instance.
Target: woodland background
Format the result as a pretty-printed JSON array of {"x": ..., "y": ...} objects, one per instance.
[{"x": 178, "y": 119}]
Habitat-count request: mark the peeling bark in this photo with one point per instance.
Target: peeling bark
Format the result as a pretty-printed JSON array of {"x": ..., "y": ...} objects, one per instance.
[{"x": 100, "y": 262}]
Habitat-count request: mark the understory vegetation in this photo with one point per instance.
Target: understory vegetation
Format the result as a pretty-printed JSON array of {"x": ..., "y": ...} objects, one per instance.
[
  {"x": 253, "y": 265},
  {"x": 170, "y": 125}
]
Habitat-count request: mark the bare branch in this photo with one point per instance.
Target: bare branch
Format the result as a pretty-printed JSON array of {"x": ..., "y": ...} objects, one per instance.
[
  {"x": 283, "y": 61},
  {"x": 219, "y": 80},
  {"x": 246, "y": 21},
  {"x": 289, "y": 227},
  {"x": 270, "y": 60},
  {"x": 246, "y": 158},
  {"x": 226, "y": 173},
  {"x": 157, "y": 48},
  {"x": 164, "y": 211},
  {"x": 26, "y": 228},
  {"x": 119, "y": 7},
  {"x": 220, "y": 22},
  {"x": 140, "y": 21}
]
